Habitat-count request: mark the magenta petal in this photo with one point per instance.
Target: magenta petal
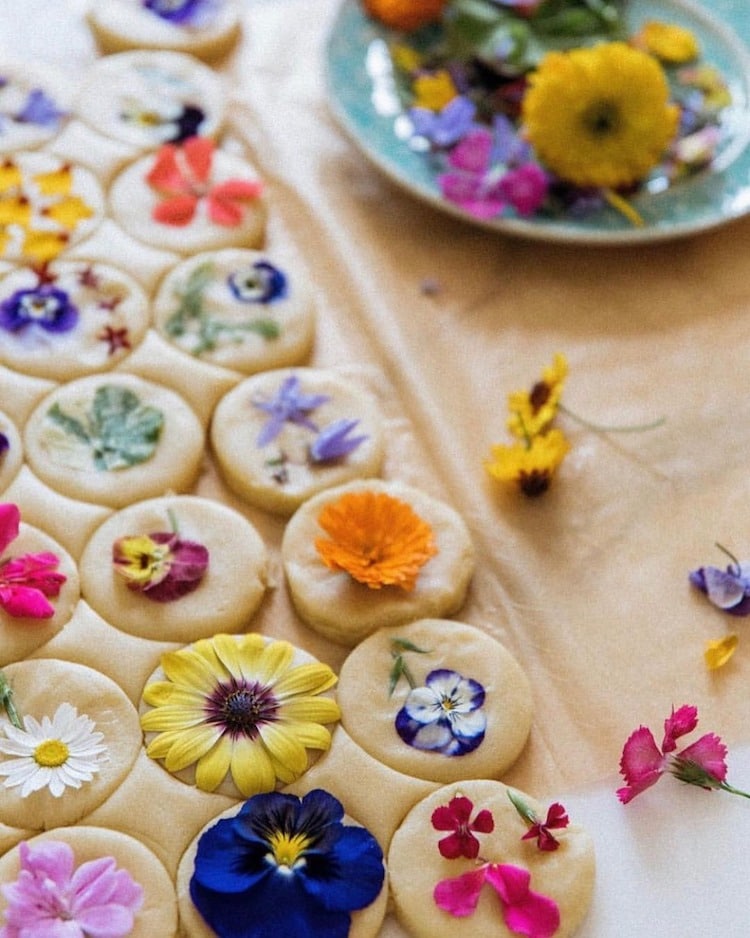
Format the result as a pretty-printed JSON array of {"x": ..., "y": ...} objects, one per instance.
[
  {"x": 25, "y": 602},
  {"x": 52, "y": 859},
  {"x": 681, "y": 721},
  {"x": 106, "y": 921},
  {"x": 709, "y": 752},
  {"x": 641, "y": 758},
  {"x": 525, "y": 912},
  {"x": 473, "y": 152},
  {"x": 10, "y": 520},
  {"x": 460, "y": 895}
]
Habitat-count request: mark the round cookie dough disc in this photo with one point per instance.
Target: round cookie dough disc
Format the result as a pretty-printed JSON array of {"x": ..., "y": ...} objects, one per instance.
[
  {"x": 132, "y": 202},
  {"x": 74, "y": 425},
  {"x": 119, "y": 25},
  {"x": 415, "y": 866},
  {"x": 11, "y": 451},
  {"x": 34, "y": 103},
  {"x": 279, "y": 476},
  {"x": 20, "y": 637},
  {"x": 107, "y": 308},
  {"x": 157, "y": 915},
  {"x": 365, "y": 922},
  {"x": 345, "y": 611},
  {"x": 228, "y": 594},
  {"x": 369, "y": 709},
  {"x": 39, "y": 687},
  {"x": 236, "y": 309},
  {"x": 149, "y": 97}
]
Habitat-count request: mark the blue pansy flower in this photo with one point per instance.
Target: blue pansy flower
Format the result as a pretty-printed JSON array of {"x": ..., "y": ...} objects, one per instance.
[
  {"x": 289, "y": 404},
  {"x": 44, "y": 306},
  {"x": 335, "y": 441},
  {"x": 445, "y": 715},
  {"x": 728, "y": 589},
  {"x": 183, "y": 12},
  {"x": 285, "y": 866},
  {"x": 261, "y": 282}
]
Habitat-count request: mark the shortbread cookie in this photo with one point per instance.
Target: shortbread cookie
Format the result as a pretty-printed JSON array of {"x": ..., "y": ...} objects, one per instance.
[
  {"x": 157, "y": 912},
  {"x": 190, "y": 197},
  {"x": 46, "y": 205},
  {"x": 175, "y": 569},
  {"x": 79, "y": 740},
  {"x": 282, "y": 436},
  {"x": 34, "y": 105},
  {"x": 410, "y": 557},
  {"x": 113, "y": 440},
  {"x": 429, "y": 850},
  {"x": 146, "y": 98},
  {"x": 437, "y": 699},
  {"x": 238, "y": 309},
  {"x": 11, "y": 451},
  {"x": 207, "y": 29},
  {"x": 38, "y": 562},
  {"x": 365, "y": 922},
  {"x": 69, "y": 319}
]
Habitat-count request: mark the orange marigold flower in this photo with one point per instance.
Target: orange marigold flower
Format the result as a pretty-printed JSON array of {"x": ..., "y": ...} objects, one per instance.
[
  {"x": 375, "y": 538},
  {"x": 405, "y": 14}
]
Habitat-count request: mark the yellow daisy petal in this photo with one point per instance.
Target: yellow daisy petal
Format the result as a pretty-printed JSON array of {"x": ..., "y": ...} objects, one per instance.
[
  {"x": 191, "y": 745},
  {"x": 43, "y": 246},
  {"x": 57, "y": 182},
  {"x": 719, "y": 651},
  {"x": 252, "y": 768},
  {"x": 274, "y": 661},
  {"x": 170, "y": 718},
  {"x": 157, "y": 693},
  {"x": 284, "y": 746},
  {"x": 190, "y": 669},
  {"x": 212, "y": 767},
  {"x": 313, "y": 678},
  {"x": 15, "y": 211},
  {"x": 69, "y": 212},
  {"x": 159, "y": 746},
  {"x": 315, "y": 709},
  {"x": 312, "y": 735}
]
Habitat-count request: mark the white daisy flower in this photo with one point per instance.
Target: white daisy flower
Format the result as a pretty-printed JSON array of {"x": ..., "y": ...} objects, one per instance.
[{"x": 58, "y": 753}]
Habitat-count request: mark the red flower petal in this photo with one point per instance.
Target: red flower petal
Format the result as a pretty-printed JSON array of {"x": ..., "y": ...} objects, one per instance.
[
  {"x": 641, "y": 764},
  {"x": 177, "y": 211},
  {"x": 225, "y": 201},
  {"x": 679, "y": 723},
  {"x": 525, "y": 912},
  {"x": 10, "y": 519},
  {"x": 709, "y": 752},
  {"x": 460, "y": 895},
  {"x": 199, "y": 153},
  {"x": 166, "y": 175}
]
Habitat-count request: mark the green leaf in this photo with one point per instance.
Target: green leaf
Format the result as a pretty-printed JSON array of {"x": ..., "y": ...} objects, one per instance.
[
  {"x": 405, "y": 645},
  {"x": 70, "y": 425},
  {"x": 396, "y": 674},
  {"x": 520, "y": 805}
]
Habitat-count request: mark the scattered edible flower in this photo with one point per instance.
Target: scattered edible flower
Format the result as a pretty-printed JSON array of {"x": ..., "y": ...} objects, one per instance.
[
  {"x": 728, "y": 589},
  {"x": 194, "y": 13},
  {"x": 445, "y": 127},
  {"x": 52, "y": 897},
  {"x": 26, "y": 581},
  {"x": 532, "y": 465},
  {"x": 434, "y": 90},
  {"x": 335, "y": 441},
  {"x": 289, "y": 404},
  {"x": 719, "y": 651},
  {"x": 285, "y": 866},
  {"x": 161, "y": 565},
  {"x": 58, "y": 753},
  {"x": 260, "y": 282},
  {"x": 238, "y": 706},
  {"x": 702, "y": 763},
  {"x": 670, "y": 43},
  {"x": 39, "y": 109},
  {"x": 557, "y": 819},
  {"x": 375, "y": 538},
  {"x": 456, "y": 817},
  {"x": 405, "y": 15},
  {"x": 532, "y": 412},
  {"x": 44, "y": 306},
  {"x": 445, "y": 715}
]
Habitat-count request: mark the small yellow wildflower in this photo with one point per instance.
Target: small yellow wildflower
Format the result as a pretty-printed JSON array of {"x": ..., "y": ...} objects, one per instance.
[
  {"x": 531, "y": 465},
  {"x": 719, "y": 651},
  {"x": 434, "y": 90},
  {"x": 404, "y": 57},
  {"x": 671, "y": 44},
  {"x": 532, "y": 412}
]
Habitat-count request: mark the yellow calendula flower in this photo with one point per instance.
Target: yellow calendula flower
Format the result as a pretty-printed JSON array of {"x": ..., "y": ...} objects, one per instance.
[
  {"x": 599, "y": 115},
  {"x": 530, "y": 465},
  {"x": 670, "y": 43},
  {"x": 531, "y": 412},
  {"x": 434, "y": 90},
  {"x": 719, "y": 651},
  {"x": 239, "y": 706}
]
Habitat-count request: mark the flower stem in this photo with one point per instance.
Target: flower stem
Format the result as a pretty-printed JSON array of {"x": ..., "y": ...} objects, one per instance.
[
  {"x": 6, "y": 700},
  {"x": 624, "y": 207},
  {"x": 725, "y": 786},
  {"x": 603, "y": 428}
]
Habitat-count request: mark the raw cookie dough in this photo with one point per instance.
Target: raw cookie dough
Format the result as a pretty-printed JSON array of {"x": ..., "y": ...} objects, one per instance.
[
  {"x": 157, "y": 915},
  {"x": 237, "y": 309},
  {"x": 216, "y": 198},
  {"x": 149, "y": 97},
  {"x": 493, "y": 700},
  {"x": 281, "y": 473},
  {"x": 137, "y": 24},
  {"x": 228, "y": 594},
  {"x": 338, "y": 607},
  {"x": 40, "y": 686},
  {"x": 113, "y": 440},
  {"x": 71, "y": 319},
  {"x": 34, "y": 104},
  {"x": 415, "y": 865},
  {"x": 11, "y": 451}
]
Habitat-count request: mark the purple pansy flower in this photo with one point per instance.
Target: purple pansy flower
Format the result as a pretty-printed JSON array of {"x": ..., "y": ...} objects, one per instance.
[
  {"x": 289, "y": 404},
  {"x": 446, "y": 127},
  {"x": 4, "y": 445},
  {"x": 44, "y": 306},
  {"x": 183, "y": 12},
  {"x": 334, "y": 442},
  {"x": 261, "y": 282},
  {"x": 39, "y": 109},
  {"x": 728, "y": 589},
  {"x": 445, "y": 715}
]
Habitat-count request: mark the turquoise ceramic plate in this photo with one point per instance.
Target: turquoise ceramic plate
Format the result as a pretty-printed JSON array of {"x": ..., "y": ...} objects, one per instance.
[{"x": 362, "y": 96}]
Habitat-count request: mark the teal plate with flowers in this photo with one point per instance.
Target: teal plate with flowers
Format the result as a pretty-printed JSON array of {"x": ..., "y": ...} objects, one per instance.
[{"x": 368, "y": 96}]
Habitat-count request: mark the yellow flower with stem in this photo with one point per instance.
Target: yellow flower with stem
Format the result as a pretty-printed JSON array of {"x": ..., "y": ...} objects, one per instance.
[
  {"x": 531, "y": 464},
  {"x": 532, "y": 412},
  {"x": 239, "y": 706}
]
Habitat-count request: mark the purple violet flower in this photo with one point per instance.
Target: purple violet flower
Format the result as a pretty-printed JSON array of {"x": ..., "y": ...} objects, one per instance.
[
  {"x": 333, "y": 442},
  {"x": 446, "y": 127},
  {"x": 39, "y": 109},
  {"x": 183, "y": 12},
  {"x": 289, "y": 404},
  {"x": 44, "y": 306},
  {"x": 4, "y": 445},
  {"x": 728, "y": 589},
  {"x": 261, "y": 282}
]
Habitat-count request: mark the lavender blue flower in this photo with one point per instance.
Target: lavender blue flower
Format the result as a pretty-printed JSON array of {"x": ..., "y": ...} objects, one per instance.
[
  {"x": 289, "y": 404},
  {"x": 446, "y": 127},
  {"x": 334, "y": 442},
  {"x": 39, "y": 109}
]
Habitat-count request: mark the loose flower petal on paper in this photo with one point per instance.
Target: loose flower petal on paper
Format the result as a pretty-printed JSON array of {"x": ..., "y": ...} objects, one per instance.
[
  {"x": 335, "y": 441},
  {"x": 531, "y": 466},
  {"x": 719, "y": 651}
]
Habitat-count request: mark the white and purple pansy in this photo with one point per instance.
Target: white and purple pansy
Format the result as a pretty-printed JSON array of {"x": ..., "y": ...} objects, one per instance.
[
  {"x": 727, "y": 589},
  {"x": 184, "y": 12},
  {"x": 445, "y": 715},
  {"x": 44, "y": 306},
  {"x": 261, "y": 282}
]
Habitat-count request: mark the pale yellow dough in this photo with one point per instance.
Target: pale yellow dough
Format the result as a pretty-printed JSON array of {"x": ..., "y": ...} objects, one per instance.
[
  {"x": 232, "y": 587},
  {"x": 415, "y": 865},
  {"x": 278, "y": 476},
  {"x": 345, "y": 611},
  {"x": 365, "y": 922},
  {"x": 67, "y": 465},
  {"x": 240, "y": 344},
  {"x": 158, "y": 914},
  {"x": 368, "y": 710}
]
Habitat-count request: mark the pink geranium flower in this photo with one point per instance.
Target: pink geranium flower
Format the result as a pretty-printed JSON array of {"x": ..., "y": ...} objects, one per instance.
[
  {"x": 26, "y": 581},
  {"x": 557, "y": 818},
  {"x": 52, "y": 899},
  {"x": 182, "y": 176},
  {"x": 456, "y": 817}
]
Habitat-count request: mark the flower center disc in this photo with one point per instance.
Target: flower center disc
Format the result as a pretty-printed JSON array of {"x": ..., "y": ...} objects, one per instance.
[
  {"x": 602, "y": 119},
  {"x": 241, "y": 707},
  {"x": 51, "y": 753},
  {"x": 288, "y": 848}
]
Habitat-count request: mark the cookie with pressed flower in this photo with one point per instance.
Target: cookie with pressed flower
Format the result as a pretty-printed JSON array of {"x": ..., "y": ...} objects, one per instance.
[
  {"x": 86, "y": 875},
  {"x": 436, "y": 699},
  {"x": 11, "y": 451},
  {"x": 238, "y": 714},
  {"x": 238, "y": 309},
  {"x": 148, "y": 97},
  {"x": 46, "y": 206},
  {"x": 76, "y": 739},
  {"x": 175, "y": 569},
  {"x": 282, "y": 436},
  {"x": 375, "y": 553},
  {"x": 478, "y": 858},
  {"x": 207, "y": 29},
  {"x": 34, "y": 105},
  {"x": 39, "y": 586},
  {"x": 114, "y": 439},
  {"x": 70, "y": 318},
  {"x": 348, "y": 894},
  {"x": 190, "y": 197}
]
